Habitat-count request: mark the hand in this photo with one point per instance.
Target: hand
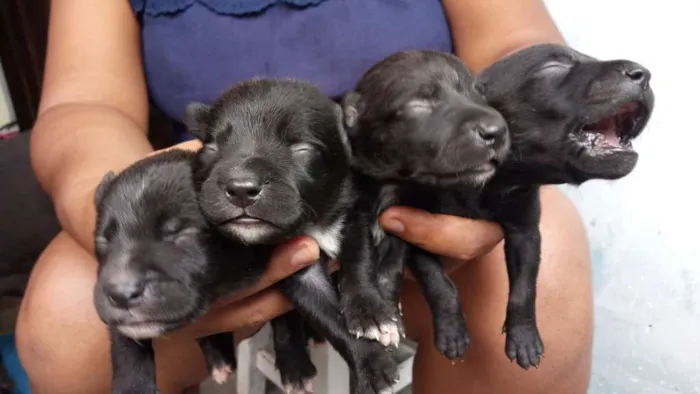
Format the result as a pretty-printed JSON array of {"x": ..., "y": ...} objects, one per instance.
[
  {"x": 450, "y": 236},
  {"x": 254, "y": 306}
]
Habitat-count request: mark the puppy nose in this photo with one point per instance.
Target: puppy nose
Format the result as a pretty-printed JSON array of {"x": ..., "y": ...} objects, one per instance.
[
  {"x": 637, "y": 74},
  {"x": 490, "y": 131},
  {"x": 125, "y": 291},
  {"x": 244, "y": 190}
]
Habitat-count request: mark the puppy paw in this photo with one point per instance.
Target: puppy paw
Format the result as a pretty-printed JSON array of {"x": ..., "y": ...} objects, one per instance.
[
  {"x": 305, "y": 387},
  {"x": 523, "y": 343},
  {"x": 221, "y": 373},
  {"x": 296, "y": 374},
  {"x": 451, "y": 337},
  {"x": 377, "y": 371},
  {"x": 370, "y": 318}
]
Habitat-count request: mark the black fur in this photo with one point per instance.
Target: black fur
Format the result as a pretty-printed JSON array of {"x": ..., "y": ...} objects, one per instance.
[
  {"x": 559, "y": 106},
  {"x": 417, "y": 126},
  {"x": 275, "y": 165},
  {"x": 161, "y": 266}
]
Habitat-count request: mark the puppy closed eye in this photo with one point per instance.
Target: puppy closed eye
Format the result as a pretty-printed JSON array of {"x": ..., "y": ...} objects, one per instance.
[
  {"x": 303, "y": 151},
  {"x": 175, "y": 230},
  {"x": 419, "y": 107},
  {"x": 101, "y": 245},
  {"x": 208, "y": 152},
  {"x": 554, "y": 67}
]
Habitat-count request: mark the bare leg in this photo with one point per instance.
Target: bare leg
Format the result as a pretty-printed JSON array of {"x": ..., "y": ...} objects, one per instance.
[{"x": 564, "y": 312}]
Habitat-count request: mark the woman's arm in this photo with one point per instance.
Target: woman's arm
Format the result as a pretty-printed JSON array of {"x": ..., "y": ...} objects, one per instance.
[
  {"x": 484, "y": 31},
  {"x": 93, "y": 113}
]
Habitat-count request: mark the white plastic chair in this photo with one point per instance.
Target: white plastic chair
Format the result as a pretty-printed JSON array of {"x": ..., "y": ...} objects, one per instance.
[{"x": 256, "y": 366}]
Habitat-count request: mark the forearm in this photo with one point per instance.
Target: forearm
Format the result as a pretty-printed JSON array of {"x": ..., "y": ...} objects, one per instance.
[
  {"x": 72, "y": 147},
  {"x": 484, "y": 31}
]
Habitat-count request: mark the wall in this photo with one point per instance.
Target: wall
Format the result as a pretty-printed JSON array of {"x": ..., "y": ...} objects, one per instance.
[{"x": 643, "y": 229}]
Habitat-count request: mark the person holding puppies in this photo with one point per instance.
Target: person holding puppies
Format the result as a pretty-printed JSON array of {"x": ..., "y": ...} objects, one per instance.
[{"x": 105, "y": 59}]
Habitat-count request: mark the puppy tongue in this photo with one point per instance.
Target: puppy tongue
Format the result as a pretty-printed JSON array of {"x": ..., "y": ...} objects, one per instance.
[{"x": 608, "y": 128}]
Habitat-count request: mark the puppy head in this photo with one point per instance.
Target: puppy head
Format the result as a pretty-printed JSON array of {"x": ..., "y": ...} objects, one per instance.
[
  {"x": 274, "y": 158},
  {"x": 570, "y": 116},
  {"x": 150, "y": 241},
  {"x": 416, "y": 116}
]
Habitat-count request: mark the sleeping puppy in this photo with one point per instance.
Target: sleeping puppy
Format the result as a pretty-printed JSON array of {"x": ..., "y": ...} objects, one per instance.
[
  {"x": 417, "y": 127},
  {"x": 571, "y": 118},
  {"x": 275, "y": 164},
  {"x": 160, "y": 268}
]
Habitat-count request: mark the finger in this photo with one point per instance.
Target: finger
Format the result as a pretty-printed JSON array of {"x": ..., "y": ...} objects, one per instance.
[
  {"x": 249, "y": 312},
  {"x": 190, "y": 145},
  {"x": 287, "y": 259},
  {"x": 445, "y": 235}
]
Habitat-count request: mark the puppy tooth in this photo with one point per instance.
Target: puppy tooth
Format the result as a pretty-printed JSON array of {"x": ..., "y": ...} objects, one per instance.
[
  {"x": 394, "y": 319},
  {"x": 372, "y": 333},
  {"x": 358, "y": 334}
]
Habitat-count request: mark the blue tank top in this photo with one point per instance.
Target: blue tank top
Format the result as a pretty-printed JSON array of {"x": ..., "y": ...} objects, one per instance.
[{"x": 195, "y": 49}]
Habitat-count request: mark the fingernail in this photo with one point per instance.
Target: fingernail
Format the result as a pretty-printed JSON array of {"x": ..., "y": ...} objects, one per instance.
[
  {"x": 394, "y": 226},
  {"x": 306, "y": 255}
]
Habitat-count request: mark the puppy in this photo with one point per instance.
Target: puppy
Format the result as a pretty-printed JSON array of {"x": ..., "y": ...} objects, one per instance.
[
  {"x": 161, "y": 266},
  {"x": 417, "y": 127},
  {"x": 571, "y": 118},
  {"x": 275, "y": 164}
]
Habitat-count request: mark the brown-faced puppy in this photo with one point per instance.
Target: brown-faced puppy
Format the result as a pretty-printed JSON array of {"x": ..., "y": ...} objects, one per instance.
[
  {"x": 274, "y": 165},
  {"x": 571, "y": 118},
  {"x": 417, "y": 127},
  {"x": 161, "y": 266}
]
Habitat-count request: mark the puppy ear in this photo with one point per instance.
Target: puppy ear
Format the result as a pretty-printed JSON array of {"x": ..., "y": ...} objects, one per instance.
[
  {"x": 195, "y": 119},
  {"x": 340, "y": 118},
  {"x": 352, "y": 108},
  {"x": 102, "y": 186}
]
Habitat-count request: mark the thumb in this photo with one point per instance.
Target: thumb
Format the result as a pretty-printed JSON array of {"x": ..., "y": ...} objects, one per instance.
[
  {"x": 289, "y": 258},
  {"x": 445, "y": 235}
]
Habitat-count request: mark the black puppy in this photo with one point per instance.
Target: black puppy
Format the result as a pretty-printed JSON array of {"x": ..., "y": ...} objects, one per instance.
[
  {"x": 571, "y": 118},
  {"x": 275, "y": 164},
  {"x": 417, "y": 127},
  {"x": 161, "y": 266}
]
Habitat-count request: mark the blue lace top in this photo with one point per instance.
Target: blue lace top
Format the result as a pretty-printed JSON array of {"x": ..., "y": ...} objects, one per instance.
[{"x": 195, "y": 49}]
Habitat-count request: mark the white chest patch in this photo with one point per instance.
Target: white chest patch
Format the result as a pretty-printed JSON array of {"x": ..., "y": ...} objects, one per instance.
[
  {"x": 328, "y": 238},
  {"x": 378, "y": 233}
]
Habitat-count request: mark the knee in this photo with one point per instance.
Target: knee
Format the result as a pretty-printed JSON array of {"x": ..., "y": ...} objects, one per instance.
[{"x": 59, "y": 336}]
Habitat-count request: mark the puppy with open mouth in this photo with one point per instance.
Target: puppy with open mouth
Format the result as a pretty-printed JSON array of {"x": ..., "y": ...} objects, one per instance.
[
  {"x": 161, "y": 267},
  {"x": 274, "y": 165},
  {"x": 570, "y": 118},
  {"x": 417, "y": 128}
]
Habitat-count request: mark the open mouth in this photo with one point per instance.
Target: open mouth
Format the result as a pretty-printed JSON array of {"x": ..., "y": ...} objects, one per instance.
[{"x": 616, "y": 130}]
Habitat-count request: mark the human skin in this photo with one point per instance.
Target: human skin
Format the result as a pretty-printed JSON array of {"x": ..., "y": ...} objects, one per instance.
[{"x": 93, "y": 118}]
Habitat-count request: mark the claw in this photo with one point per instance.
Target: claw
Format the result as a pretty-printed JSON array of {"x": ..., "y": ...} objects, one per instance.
[{"x": 222, "y": 373}]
